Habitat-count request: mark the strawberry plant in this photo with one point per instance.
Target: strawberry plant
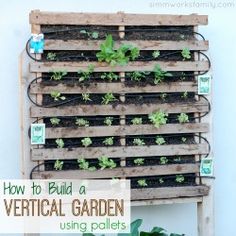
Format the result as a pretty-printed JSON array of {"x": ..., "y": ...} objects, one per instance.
[
  {"x": 142, "y": 183},
  {"x": 105, "y": 162},
  {"x": 137, "y": 121},
  {"x": 56, "y": 95},
  {"x": 159, "y": 74},
  {"x": 86, "y": 97},
  {"x": 86, "y": 142},
  {"x": 186, "y": 54},
  {"x": 108, "y": 141},
  {"x": 93, "y": 35},
  {"x": 85, "y": 75},
  {"x": 81, "y": 122},
  {"x": 156, "y": 54},
  {"x": 183, "y": 118},
  {"x": 163, "y": 160},
  {"x": 60, "y": 143},
  {"x": 55, "y": 121},
  {"x": 84, "y": 165},
  {"x": 163, "y": 96},
  {"x": 58, "y": 75},
  {"x": 51, "y": 56},
  {"x": 158, "y": 118},
  {"x": 138, "y": 142},
  {"x": 184, "y": 95},
  {"x": 110, "y": 76},
  {"x": 108, "y": 121},
  {"x": 108, "y": 98},
  {"x": 58, "y": 165},
  {"x": 160, "y": 140},
  {"x": 139, "y": 161},
  {"x": 179, "y": 179},
  {"x": 137, "y": 75}
]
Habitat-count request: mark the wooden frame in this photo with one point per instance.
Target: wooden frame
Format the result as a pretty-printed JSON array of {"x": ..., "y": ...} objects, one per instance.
[{"x": 202, "y": 194}]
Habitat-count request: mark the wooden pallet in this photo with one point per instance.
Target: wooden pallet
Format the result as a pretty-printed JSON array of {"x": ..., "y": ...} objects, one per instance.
[{"x": 31, "y": 156}]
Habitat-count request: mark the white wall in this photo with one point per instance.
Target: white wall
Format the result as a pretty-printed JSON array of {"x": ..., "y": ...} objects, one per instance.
[{"x": 15, "y": 30}]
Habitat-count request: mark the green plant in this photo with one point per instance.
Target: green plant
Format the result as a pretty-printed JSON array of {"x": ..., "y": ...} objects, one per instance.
[
  {"x": 81, "y": 122},
  {"x": 182, "y": 76},
  {"x": 160, "y": 140},
  {"x": 108, "y": 141},
  {"x": 58, "y": 75},
  {"x": 156, "y": 54},
  {"x": 183, "y": 118},
  {"x": 86, "y": 97},
  {"x": 137, "y": 121},
  {"x": 139, "y": 161},
  {"x": 121, "y": 56},
  {"x": 137, "y": 75},
  {"x": 184, "y": 95},
  {"x": 86, "y": 142},
  {"x": 110, "y": 76},
  {"x": 56, "y": 95},
  {"x": 177, "y": 159},
  {"x": 58, "y": 165},
  {"x": 138, "y": 142},
  {"x": 164, "y": 160},
  {"x": 159, "y": 74},
  {"x": 142, "y": 183},
  {"x": 179, "y": 178},
  {"x": 60, "y": 143},
  {"x": 108, "y": 98},
  {"x": 105, "y": 162},
  {"x": 183, "y": 139},
  {"x": 55, "y": 121},
  {"x": 51, "y": 56},
  {"x": 186, "y": 54},
  {"x": 108, "y": 121},
  {"x": 158, "y": 118},
  {"x": 93, "y": 35},
  {"x": 163, "y": 96},
  {"x": 84, "y": 165},
  {"x": 161, "y": 180},
  {"x": 85, "y": 75}
]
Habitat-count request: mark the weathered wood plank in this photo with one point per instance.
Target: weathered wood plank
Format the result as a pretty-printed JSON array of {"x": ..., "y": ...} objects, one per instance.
[
  {"x": 132, "y": 66},
  {"x": 120, "y": 172},
  {"x": 112, "y": 152},
  {"x": 129, "y": 109},
  {"x": 173, "y": 87},
  {"x": 172, "y": 192},
  {"x": 119, "y": 130},
  {"x": 118, "y": 19},
  {"x": 85, "y": 45}
]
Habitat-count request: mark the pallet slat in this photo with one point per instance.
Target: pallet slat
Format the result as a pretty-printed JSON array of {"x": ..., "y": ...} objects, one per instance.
[
  {"x": 129, "y": 109},
  {"x": 118, "y": 19},
  {"x": 100, "y": 131},
  {"x": 132, "y": 66},
  {"x": 173, "y": 87},
  {"x": 85, "y": 45},
  {"x": 112, "y": 152}
]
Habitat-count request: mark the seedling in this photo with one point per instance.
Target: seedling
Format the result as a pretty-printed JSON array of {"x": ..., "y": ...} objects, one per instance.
[
  {"x": 84, "y": 165},
  {"x": 161, "y": 181},
  {"x": 86, "y": 97},
  {"x": 56, "y": 95},
  {"x": 183, "y": 76},
  {"x": 179, "y": 179},
  {"x": 139, "y": 161},
  {"x": 85, "y": 75},
  {"x": 81, "y": 122},
  {"x": 108, "y": 98},
  {"x": 60, "y": 143},
  {"x": 110, "y": 76},
  {"x": 142, "y": 183},
  {"x": 183, "y": 118},
  {"x": 183, "y": 139},
  {"x": 159, "y": 74},
  {"x": 158, "y": 118},
  {"x": 177, "y": 159},
  {"x": 105, "y": 162},
  {"x": 182, "y": 36},
  {"x": 156, "y": 54},
  {"x": 51, "y": 56},
  {"x": 55, "y": 121},
  {"x": 184, "y": 95},
  {"x": 186, "y": 54},
  {"x": 86, "y": 142},
  {"x": 108, "y": 141},
  {"x": 163, "y": 96},
  {"x": 160, "y": 140},
  {"x": 163, "y": 160},
  {"x": 108, "y": 121},
  {"x": 137, "y": 121},
  {"x": 93, "y": 35},
  {"x": 58, "y": 165},
  {"x": 137, "y": 75},
  {"x": 58, "y": 75},
  {"x": 138, "y": 142}
]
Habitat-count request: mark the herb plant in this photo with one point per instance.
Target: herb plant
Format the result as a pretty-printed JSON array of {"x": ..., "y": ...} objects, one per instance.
[
  {"x": 55, "y": 121},
  {"x": 108, "y": 98},
  {"x": 142, "y": 183},
  {"x": 159, "y": 74},
  {"x": 156, "y": 54},
  {"x": 163, "y": 160},
  {"x": 108, "y": 141},
  {"x": 160, "y": 140},
  {"x": 158, "y": 118},
  {"x": 105, "y": 162},
  {"x": 56, "y": 95},
  {"x": 86, "y": 142},
  {"x": 51, "y": 56},
  {"x": 137, "y": 121},
  {"x": 179, "y": 179},
  {"x": 138, "y": 142},
  {"x": 86, "y": 97},
  {"x": 139, "y": 161},
  {"x": 58, "y": 165},
  {"x": 60, "y": 143},
  {"x": 81, "y": 122},
  {"x": 58, "y": 75},
  {"x": 108, "y": 121},
  {"x": 186, "y": 54},
  {"x": 110, "y": 76},
  {"x": 85, "y": 75},
  {"x": 183, "y": 118}
]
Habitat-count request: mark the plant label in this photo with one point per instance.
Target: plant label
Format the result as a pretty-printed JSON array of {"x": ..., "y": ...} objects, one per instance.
[
  {"x": 36, "y": 43},
  {"x": 206, "y": 167},
  {"x": 37, "y": 134},
  {"x": 204, "y": 84}
]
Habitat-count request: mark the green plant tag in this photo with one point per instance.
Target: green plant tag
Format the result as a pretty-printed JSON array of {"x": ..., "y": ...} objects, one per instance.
[
  {"x": 204, "y": 84},
  {"x": 206, "y": 167},
  {"x": 37, "y": 134}
]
